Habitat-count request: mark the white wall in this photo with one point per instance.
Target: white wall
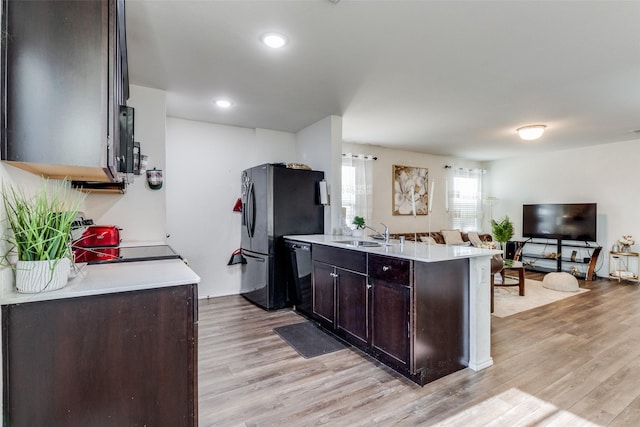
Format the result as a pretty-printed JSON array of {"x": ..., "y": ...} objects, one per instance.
[
  {"x": 319, "y": 146},
  {"x": 383, "y": 186},
  {"x": 204, "y": 162},
  {"x": 140, "y": 212},
  {"x": 605, "y": 174}
]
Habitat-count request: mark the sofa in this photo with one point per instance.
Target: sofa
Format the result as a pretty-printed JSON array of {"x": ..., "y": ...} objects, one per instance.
[{"x": 437, "y": 236}]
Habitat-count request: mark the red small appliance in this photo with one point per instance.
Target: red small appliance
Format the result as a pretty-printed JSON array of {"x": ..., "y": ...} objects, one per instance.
[
  {"x": 97, "y": 243},
  {"x": 99, "y": 236}
]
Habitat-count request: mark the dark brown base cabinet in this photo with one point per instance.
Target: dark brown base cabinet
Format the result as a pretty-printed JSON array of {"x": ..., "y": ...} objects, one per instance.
[
  {"x": 441, "y": 313},
  {"x": 340, "y": 294},
  {"x": 412, "y": 316},
  {"x": 123, "y": 359},
  {"x": 390, "y": 280},
  {"x": 324, "y": 289}
]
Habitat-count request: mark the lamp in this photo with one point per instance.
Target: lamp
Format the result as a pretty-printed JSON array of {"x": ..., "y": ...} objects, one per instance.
[{"x": 531, "y": 132}]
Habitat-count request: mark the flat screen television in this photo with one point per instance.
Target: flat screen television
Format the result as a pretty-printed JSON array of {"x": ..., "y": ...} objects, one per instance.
[{"x": 562, "y": 221}]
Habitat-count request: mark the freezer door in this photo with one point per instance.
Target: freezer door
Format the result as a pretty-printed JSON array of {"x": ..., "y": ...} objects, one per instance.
[{"x": 256, "y": 278}]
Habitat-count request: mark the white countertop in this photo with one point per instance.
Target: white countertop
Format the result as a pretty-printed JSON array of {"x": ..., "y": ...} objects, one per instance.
[
  {"x": 409, "y": 250},
  {"x": 115, "y": 277}
]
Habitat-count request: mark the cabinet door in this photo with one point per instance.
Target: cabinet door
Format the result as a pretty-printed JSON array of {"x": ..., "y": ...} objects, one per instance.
[
  {"x": 390, "y": 318},
  {"x": 324, "y": 291},
  {"x": 352, "y": 301},
  {"x": 59, "y": 82},
  {"x": 120, "y": 359}
]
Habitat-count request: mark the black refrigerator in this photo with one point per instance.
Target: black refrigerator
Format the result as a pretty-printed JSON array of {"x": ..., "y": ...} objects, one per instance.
[{"x": 276, "y": 201}]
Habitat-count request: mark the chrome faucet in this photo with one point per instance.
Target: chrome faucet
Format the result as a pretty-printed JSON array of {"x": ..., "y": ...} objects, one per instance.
[
  {"x": 380, "y": 236},
  {"x": 386, "y": 233}
]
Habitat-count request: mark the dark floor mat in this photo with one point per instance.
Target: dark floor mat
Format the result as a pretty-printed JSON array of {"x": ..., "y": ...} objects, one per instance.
[{"x": 308, "y": 339}]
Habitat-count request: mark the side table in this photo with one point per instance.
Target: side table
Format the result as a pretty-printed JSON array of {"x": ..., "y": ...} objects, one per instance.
[
  {"x": 624, "y": 266},
  {"x": 513, "y": 265}
]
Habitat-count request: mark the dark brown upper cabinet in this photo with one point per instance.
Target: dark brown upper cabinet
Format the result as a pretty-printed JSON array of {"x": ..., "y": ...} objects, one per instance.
[{"x": 64, "y": 79}]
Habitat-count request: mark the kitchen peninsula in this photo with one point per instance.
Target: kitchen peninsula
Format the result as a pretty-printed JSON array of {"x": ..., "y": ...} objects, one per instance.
[
  {"x": 116, "y": 346},
  {"x": 423, "y": 310}
]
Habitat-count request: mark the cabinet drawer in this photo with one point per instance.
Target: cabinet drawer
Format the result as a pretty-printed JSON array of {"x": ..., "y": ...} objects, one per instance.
[
  {"x": 390, "y": 269},
  {"x": 343, "y": 258}
]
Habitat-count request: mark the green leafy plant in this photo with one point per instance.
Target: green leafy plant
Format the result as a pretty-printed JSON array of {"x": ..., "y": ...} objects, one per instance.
[
  {"x": 358, "y": 221},
  {"x": 502, "y": 230},
  {"x": 40, "y": 224}
]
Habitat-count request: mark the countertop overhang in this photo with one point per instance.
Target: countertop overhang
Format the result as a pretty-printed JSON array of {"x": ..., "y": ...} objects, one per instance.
[
  {"x": 112, "y": 278},
  {"x": 417, "y": 251}
]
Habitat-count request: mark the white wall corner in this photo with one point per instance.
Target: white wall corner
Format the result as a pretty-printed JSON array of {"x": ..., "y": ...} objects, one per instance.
[{"x": 320, "y": 146}]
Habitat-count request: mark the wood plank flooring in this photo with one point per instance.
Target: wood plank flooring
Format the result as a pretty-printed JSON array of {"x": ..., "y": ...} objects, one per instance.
[{"x": 575, "y": 362}]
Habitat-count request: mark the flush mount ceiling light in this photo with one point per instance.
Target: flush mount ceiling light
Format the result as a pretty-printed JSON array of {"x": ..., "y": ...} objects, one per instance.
[
  {"x": 529, "y": 133},
  {"x": 274, "y": 40},
  {"x": 223, "y": 103}
]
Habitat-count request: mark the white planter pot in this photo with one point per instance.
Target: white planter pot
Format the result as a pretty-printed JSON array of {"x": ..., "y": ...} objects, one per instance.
[
  {"x": 357, "y": 233},
  {"x": 41, "y": 276}
]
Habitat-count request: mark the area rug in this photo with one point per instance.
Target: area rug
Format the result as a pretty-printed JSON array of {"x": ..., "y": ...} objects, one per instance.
[
  {"x": 508, "y": 302},
  {"x": 308, "y": 339}
]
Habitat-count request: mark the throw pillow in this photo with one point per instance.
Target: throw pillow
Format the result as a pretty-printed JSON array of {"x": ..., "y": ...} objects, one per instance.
[
  {"x": 428, "y": 239},
  {"x": 452, "y": 237},
  {"x": 474, "y": 238}
]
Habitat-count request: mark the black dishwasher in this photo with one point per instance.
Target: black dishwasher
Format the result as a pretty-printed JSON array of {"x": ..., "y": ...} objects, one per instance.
[{"x": 300, "y": 291}]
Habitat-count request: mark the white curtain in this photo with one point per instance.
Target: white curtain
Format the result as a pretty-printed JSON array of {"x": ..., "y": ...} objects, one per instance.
[
  {"x": 357, "y": 186},
  {"x": 464, "y": 203}
]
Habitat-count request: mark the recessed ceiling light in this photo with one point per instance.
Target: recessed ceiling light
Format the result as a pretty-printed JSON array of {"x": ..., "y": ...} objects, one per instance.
[
  {"x": 274, "y": 40},
  {"x": 531, "y": 132},
  {"x": 223, "y": 103}
]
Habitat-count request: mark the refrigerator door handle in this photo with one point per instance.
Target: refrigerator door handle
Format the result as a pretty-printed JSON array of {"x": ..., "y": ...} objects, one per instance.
[
  {"x": 251, "y": 210},
  {"x": 253, "y": 257},
  {"x": 251, "y": 214},
  {"x": 245, "y": 208}
]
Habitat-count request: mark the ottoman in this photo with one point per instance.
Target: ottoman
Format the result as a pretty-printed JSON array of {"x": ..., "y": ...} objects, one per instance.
[{"x": 560, "y": 282}]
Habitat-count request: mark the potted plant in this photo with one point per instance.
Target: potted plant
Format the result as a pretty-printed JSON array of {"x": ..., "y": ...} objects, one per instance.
[
  {"x": 502, "y": 230},
  {"x": 39, "y": 235},
  {"x": 358, "y": 221}
]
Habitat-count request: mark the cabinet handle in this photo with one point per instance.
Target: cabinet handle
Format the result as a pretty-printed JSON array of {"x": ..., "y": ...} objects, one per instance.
[
  {"x": 333, "y": 274},
  {"x": 369, "y": 286},
  {"x": 386, "y": 268}
]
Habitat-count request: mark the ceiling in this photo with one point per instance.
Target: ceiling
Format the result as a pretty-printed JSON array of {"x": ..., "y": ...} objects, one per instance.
[{"x": 441, "y": 77}]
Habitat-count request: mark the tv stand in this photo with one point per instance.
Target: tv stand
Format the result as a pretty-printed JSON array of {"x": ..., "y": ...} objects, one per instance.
[{"x": 532, "y": 254}]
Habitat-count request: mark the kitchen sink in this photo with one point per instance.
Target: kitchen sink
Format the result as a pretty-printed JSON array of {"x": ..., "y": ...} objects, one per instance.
[{"x": 360, "y": 243}]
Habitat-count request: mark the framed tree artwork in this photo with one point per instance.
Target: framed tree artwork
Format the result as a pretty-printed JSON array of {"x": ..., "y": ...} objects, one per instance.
[{"x": 410, "y": 196}]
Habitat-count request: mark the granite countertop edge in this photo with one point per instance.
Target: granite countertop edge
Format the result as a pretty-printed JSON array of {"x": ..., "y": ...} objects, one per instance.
[
  {"x": 417, "y": 251},
  {"x": 102, "y": 279}
]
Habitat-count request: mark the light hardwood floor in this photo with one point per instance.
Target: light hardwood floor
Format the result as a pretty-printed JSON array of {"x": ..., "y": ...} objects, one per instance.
[{"x": 575, "y": 362}]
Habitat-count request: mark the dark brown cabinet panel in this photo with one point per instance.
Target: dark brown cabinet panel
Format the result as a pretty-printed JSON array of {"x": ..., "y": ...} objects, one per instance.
[
  {"x": 352, "y": 304},
  {"x": 390, "y": 314},
  {"x": 390, "y": 280},
  {"x": 442, "y": 312},
  {"x": 413, "y": 316},
  {"x": 390, "y": 269},
  {"x": 64, "y": 79},
  {"x": 323, "y": 278},
  {"x": 108, "y": 360},
  {"x": 343, "y": 258}
]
